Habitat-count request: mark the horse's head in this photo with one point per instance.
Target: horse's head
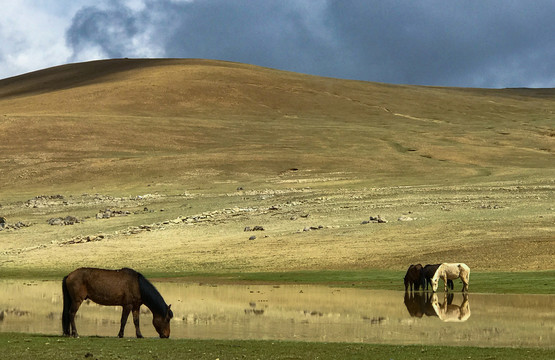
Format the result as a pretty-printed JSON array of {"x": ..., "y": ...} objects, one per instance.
[
  {"x": 435, "y": 283},
  {"x": 161, "y": 323},
  {"x": 435, "y": 280}
]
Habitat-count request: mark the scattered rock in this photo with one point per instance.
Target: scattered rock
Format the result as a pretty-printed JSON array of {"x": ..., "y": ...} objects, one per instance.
[
  {"x": 84, "y": 239},
  {"x": 252, "y": 237},
  {"x": 405, "y": 218},
  {"x": 108, "y": 213},
  {"x": 256, "y": 228},
  {"x": 18, "y": 225},
  {"x": 68, "y": 220},
  {"x": 311, "y": 228},
  {"x": 375, "y": 219},
  {"x": 490, "y": 206},
  {"x": 44, "y": 201}
]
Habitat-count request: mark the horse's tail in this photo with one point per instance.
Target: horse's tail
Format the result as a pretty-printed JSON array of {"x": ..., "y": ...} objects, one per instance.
[{"x": 67, "y": 306}]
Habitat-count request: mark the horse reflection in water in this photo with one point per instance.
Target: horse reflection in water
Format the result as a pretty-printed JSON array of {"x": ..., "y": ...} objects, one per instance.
[{"x": 419, "y": 305}]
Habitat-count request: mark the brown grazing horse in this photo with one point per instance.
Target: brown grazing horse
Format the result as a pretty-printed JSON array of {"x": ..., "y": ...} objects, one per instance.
[
  {"x": 124, "y": 287},
  {"x": 415, "y": 277}
]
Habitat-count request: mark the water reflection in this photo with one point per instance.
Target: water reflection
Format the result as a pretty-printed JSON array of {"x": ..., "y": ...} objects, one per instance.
[
  {"x": 306, "y": 313},
  {"x": 420, "y": 304},
  {"x": 447, "y": 311}
]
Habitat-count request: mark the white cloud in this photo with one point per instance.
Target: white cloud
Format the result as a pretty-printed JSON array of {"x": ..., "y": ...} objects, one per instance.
[{"x": 32, "y": 34}]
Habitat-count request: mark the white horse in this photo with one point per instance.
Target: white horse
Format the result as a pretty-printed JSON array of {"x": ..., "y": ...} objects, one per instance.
[
  {"x": 451, "y": 271},
  {"x": 450, "y": 312}
]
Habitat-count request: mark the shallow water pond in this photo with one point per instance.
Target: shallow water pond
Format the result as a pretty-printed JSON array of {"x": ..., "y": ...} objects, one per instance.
[{"x": 300, "y": 312}]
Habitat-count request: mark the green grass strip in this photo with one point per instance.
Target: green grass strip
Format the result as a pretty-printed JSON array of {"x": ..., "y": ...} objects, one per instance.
[
  {"x": 537, "y": 282},
  {"x": 33, "y": 347},
  {"x": 525, "y": 282}
]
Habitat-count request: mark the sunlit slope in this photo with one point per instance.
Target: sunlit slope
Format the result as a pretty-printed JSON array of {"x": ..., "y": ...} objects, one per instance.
[{"x": 135, "y": 123}]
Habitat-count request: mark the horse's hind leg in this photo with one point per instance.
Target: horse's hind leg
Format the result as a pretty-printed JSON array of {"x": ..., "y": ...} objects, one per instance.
[
  {"x": 136, "y": 322},
  {"x": 465, "y": 280},
  {"x": 124, "y": 315},
  {"x": 465, "y": 285},
  {"x": 72, "y": 311}
]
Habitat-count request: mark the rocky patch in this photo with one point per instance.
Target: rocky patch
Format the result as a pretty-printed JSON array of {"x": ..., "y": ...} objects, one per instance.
[
  {"x": 85, "y": 239},
  {"x": 375, "y": 219},
  {"x": 254, "y": 228},
  {"x": 4, "y": 225},
  {"x": 312, "y": 228},
  {"x": 45, "y": 201},
  {"x": 68, "y": 220},
  {"x": 109, "y": 213}
]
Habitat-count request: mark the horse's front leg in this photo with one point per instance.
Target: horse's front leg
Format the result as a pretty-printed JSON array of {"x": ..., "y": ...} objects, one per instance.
[
  {"x": 136, "y": 312},
  {"x": 124, "y": 316},
  {"x": 445, "y": 283}
]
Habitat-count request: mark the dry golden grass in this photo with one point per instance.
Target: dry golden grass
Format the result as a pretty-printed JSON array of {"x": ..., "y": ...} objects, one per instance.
[{"x": 475, "y": 168}]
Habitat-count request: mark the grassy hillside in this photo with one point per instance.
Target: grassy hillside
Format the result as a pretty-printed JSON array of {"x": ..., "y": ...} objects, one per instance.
[
  {"x": 219, "y": 146},
  {"x": 186, "y": 121}
]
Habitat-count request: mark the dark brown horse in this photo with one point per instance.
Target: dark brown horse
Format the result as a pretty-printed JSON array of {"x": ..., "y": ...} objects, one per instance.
[
  {"x": 415, "y": 277},
  {"x": 124, "y": 287}
]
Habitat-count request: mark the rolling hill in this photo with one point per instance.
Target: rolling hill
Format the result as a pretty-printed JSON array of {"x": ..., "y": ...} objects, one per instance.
[{"x": 130, "y": 123}]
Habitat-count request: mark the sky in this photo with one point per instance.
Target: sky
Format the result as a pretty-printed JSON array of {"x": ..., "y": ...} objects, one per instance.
[{"x": 462, "y": 43}]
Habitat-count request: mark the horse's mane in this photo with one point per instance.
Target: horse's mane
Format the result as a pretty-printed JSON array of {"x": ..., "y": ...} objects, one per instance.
[{"x": 151, "y": 297}]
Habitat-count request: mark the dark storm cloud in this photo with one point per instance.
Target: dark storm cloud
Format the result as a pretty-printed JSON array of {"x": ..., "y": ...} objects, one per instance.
[
  {"x": 110, "y": 30},
  {"x": 267, "y": 33},
  {"x": 455, "y": 43},
  {"x": 491, "y": 43}
]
